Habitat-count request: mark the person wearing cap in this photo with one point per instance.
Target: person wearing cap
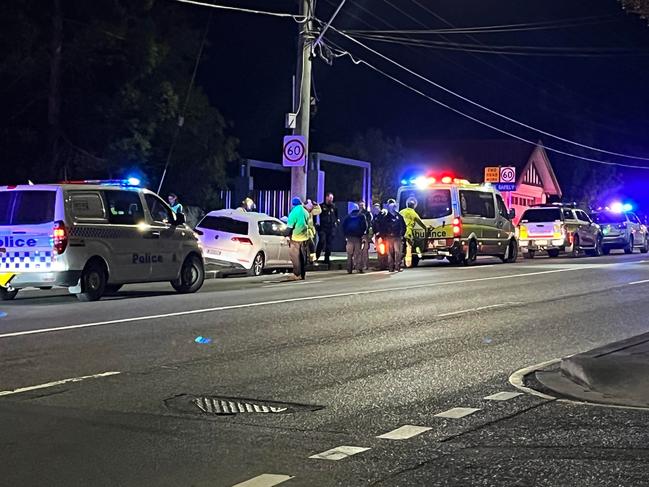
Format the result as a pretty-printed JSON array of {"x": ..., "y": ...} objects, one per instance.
[
  {"x": 354, "y": 227},
  {"x": 298, "y": 223},
  {"x": 327, "y": 229},
  {"x": 378, "y": 216},
  {"x": 411, "y": 218},
  {"x": 393, "y": 228},
  {"x": 174, "y": 203},
  {"x": 247, "y": 205}
]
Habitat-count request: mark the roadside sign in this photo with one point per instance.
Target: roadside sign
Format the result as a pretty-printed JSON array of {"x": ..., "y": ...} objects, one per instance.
[
  {"x": 507, "y": 175},
  {"x": 491, "y": 174},
  {"x": 294, "y": 153},
  {"x": 505, "y": 186}
]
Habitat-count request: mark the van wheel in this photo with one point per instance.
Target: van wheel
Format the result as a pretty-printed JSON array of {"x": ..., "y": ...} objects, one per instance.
[
  {"x": 629, "y": 247},
  {"x": 113, "y": 288},
  {"x": 473, "y": 253},
  {"x": 512, "y": 253},
  {"x": 192, "y": 275},
  {"x": 7, "y": 294},
  {"x": 553, "y": 253},
  {"x": 93, "y": 282},
  {"x": 257, "y": 268}
]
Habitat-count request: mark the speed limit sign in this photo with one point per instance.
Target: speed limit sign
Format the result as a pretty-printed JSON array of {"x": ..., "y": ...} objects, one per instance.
[
  {"x": 294, "y": 153},
  {"x": 507, "y": 174}
]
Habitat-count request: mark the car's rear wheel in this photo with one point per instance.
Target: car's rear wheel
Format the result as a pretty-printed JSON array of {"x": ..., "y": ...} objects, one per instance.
[
  {"x": 645, "y": 246},
  {"x": 93, "y": 282},
  {"x": 192, "y": 275},
  {"x": 472, "y": 256},
  {"x": 553, "y": 253},
  {"x": 258, "y": 262},
  {"x": 628, "y": 249},
  {"x": 529, "y": 254},
  {"x": 7, "y": 294}
]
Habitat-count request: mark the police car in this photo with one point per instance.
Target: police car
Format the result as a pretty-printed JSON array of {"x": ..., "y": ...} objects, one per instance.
[
  {"x": 464, "y": 220},
  {"x": 93, "y": 237}
]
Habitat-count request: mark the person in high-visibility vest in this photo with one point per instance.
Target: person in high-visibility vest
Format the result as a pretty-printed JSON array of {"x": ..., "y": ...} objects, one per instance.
[{"x": 411, "y": 217}]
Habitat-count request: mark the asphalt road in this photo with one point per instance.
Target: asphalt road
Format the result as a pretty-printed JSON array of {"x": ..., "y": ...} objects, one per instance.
[{"x": 355, "y": 357}]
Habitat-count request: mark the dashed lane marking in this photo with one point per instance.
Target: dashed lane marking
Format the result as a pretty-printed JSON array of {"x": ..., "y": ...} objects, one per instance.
[
  {"x": 503, "y": 396},
  {"x": 404, "y": 432},
  {"x": 457, "y": 413},
  {"x": 288, "y": 283},
  {"x": 56, "y": 383},
  {"x": 639, "y": 282},
  {"x": 340, "y": 452},
  {"x": 279, "y": 301},
  {"x": 264, "y": 480},
  {"x": 481, "y": 308}
]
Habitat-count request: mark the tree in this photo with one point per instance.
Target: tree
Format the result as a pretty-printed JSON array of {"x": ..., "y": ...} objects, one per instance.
[
  {"x": 386, "y": 155},
  {"x": 96, "y": 89}
]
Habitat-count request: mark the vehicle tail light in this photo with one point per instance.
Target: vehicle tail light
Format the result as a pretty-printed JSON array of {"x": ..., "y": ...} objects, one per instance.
[
  {"x": 381, "y": 247},
  {"x": 242, "y": 240},
  {"x": 59, "y": 237},
  {"x": 571, "y": 238},
  {"x": 457, "y": 227}
]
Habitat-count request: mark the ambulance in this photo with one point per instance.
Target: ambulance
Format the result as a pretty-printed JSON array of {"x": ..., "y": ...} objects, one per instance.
[
  {"x": 93, "y": 237},
  {"x": 464, "y": 220}
]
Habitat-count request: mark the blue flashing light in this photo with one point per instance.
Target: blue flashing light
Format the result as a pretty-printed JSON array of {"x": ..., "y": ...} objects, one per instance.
[
  {"x": 616, "y": 207},
  {"x": 133, "y": 181},
  {"x": 404, "y": 182},
  {"x": 627, "y": 207}
]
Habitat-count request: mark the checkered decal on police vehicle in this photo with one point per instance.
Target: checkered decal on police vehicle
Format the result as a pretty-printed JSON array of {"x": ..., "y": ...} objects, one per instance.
[
  {"x": 102, "y": 232},
  {"x": 12, "y": 261}
]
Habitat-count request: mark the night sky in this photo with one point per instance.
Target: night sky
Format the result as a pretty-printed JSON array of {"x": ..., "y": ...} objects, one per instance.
[{"x": 600, "y": 101}]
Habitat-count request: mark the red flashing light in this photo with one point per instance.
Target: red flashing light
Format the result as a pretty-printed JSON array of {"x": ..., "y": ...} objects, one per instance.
[
  {"x": 242, "y": 240},
  {"x": 457, "y": 227},
  {"x": 13, "y": 186},
  {"x": 59, "y": 237}
]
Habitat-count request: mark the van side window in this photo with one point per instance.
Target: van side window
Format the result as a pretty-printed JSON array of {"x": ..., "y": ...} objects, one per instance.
[
  {"x": 502, "y": 208},
  {"x": 160, "y": 212},
  {"x": 477, "y": 203},
  {"x": 87, "y": 206},
  {"x": 124, "y": 207}
]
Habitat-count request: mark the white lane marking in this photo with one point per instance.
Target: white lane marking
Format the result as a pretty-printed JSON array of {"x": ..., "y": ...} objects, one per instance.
[
  {"x": 339, "y": 452},
  {"x": 639, "y": 282},
  {"x": 481, "y": 308},
  {"x": 517, "y": 380},
  {"x": 404, "y": 432},
  {"x": 289, "y": 283},
  {"x": 278, "y": 301},
  {"x": 457, "y": 413},
  {"x": 503, "y": 396},
  {"x": 264, "y": 480},
  {"x": 56, "y": 383}
]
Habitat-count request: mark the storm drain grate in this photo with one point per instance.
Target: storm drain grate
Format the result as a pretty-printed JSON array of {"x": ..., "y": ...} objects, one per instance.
[{"x": 227, "y": 406}]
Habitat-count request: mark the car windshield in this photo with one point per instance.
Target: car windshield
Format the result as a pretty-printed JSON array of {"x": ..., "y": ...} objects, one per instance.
[
  {"x": 609, "y": 217},
  {"x": 541, "y": 215},
  {"x": 430, "y": 203},
  {"x": 28, "y": 207}
]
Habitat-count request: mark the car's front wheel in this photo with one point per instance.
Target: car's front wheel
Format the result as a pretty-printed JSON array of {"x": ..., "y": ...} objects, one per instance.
[
  {"x": 192, "y": 275},
  {"x": 7, "y": 294},
  {"x": 512, "y": 252}
]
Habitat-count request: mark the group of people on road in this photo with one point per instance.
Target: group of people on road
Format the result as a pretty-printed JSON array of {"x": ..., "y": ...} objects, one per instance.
[{"x": 389, "y": 228}]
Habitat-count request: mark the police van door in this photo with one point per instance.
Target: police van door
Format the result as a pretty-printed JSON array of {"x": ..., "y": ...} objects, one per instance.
[
  {"x": 127, "y": 234},
  {"x": 166, "y": 240}
]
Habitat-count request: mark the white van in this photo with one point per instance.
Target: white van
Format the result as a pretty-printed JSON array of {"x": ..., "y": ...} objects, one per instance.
[{"x": 93, "y": 237}]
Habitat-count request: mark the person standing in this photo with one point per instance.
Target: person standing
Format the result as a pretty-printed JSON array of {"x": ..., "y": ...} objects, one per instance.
[
  {"x": 298, "y": 222},
  {"x": 313, "y": 210},
  {"x": 393, "y": 228},
  {"x": 378, "y": 217},
  {"x": 174, "y": 203},
  {"x": 411, "y": 218},
  {"x": 327, "y": 229},
  {"x": 367, "y": 236},
  {"x": 354, "y": 227}
]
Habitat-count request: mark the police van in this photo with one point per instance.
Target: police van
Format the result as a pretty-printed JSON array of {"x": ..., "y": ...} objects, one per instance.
[
  {"x": 464, "y": 220},
  {"x": 93, "y": 237}
]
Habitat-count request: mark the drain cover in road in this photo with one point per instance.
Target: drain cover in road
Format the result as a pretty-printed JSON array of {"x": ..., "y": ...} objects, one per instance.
[{"x": 227, "y": 406}]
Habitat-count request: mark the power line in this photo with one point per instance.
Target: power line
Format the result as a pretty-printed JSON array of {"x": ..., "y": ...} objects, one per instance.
[
  {"x": 342, "y": 52},
  {"x": 297, "y": 18},
  {"x": 487, "y": 109}
]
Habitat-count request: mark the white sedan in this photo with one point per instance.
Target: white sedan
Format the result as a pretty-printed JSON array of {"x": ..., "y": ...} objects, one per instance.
[{"x": 237, "y": 241}]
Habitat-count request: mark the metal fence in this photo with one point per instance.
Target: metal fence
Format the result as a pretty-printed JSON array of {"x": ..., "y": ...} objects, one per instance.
[{"x": 273, "y": 202}]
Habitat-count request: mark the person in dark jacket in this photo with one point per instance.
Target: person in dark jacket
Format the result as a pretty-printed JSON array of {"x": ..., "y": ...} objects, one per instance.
[
  {"x": 354, "y": 227},
  {"x": 378, "y": 215},
  {"x": 328, "y": 223},
  {"x": 367, "y": 237},
  {"x": 393, "y": 228}
]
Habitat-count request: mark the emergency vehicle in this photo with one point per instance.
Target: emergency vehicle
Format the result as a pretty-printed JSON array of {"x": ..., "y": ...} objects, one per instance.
[
  {"x": 93, "y": 237},
  {"x": 464, "y": 220}
]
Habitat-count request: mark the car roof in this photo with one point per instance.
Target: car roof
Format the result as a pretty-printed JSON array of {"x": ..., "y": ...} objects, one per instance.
[
  {"x": 242, "y": 215},
  {"x": 72, "y": 186}
]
